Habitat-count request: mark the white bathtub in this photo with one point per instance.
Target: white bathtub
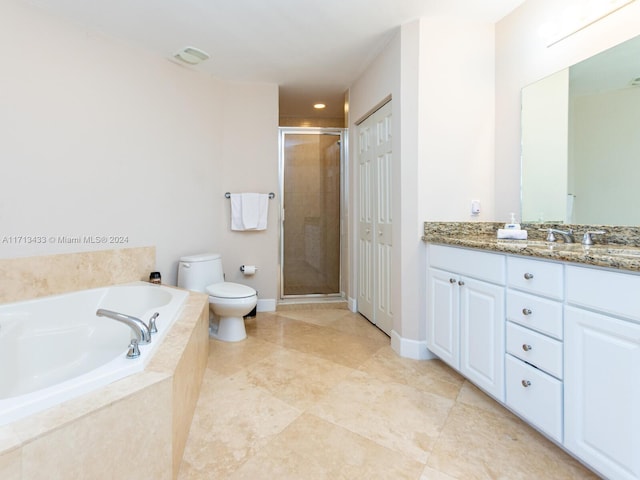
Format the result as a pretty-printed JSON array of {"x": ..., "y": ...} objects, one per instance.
[{"x": 55, "y": 348}]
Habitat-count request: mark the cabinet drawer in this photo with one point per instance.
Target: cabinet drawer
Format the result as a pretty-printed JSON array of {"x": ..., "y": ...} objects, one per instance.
[
  {"x": 534, "y": 395},
  {"x": 610, "y": 292},
  {"x": 535, "y": 276},
  {"x": 476, "y": 264},
  {"x": 537, "y": 313},
  {"x": 534, "y": 348}
]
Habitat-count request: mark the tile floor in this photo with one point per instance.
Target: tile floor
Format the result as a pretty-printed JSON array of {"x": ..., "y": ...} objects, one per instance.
[{"x": 319, "y": 394}]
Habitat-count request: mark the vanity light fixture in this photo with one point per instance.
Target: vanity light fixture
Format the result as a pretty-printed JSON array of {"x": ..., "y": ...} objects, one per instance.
[
  {"x": 578, "y": 16},
  {"x": 192, "y": 55},
  {"x": 635, "y": 82},
  {"x": 319, "y": 106}
]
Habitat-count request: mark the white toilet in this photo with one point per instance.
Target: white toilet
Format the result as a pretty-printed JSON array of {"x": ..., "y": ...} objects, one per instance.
[{"x": 229, "y": 301}]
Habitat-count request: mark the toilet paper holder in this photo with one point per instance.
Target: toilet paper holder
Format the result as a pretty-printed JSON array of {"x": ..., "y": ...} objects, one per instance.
[{"x": 248, "y": 269}]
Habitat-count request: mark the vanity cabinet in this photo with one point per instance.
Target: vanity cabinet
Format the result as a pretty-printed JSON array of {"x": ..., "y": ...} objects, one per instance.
[
  {"x": 534, "y": 357},
  {"x": 556, "y": 343},
  {"x": 602, "y": 370},
  {"x": 465, "y": 314}
]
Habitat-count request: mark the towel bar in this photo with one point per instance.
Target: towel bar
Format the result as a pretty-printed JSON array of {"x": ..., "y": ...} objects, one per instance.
[{"x": 271, "y": 195}]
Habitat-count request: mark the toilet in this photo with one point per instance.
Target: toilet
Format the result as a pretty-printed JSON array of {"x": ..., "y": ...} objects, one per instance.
[{"x": 228, "y": 301}]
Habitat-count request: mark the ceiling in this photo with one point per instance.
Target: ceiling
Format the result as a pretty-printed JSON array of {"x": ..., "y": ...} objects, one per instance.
[{"x": 313, "y": 49}]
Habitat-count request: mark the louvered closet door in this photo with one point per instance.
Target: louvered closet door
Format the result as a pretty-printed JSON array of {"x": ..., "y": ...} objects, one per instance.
[{"x": 375, "y": 160}]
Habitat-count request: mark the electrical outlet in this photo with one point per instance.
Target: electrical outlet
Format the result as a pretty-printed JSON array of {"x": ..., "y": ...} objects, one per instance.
[{"x": 475, "y": 207}]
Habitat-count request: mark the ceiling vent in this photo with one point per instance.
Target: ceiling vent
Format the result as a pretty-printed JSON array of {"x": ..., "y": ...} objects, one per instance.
[{"x": 192, "y": 55}]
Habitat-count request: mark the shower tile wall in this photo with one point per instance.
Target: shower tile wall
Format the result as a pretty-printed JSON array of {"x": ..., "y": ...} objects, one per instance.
[{"x": 312, "y": 214}]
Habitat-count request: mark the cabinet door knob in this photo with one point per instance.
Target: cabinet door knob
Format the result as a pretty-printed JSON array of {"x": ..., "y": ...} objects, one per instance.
[
  {"x": 526, "y": 383},
  {"x": 461, "y": 283},
  {"x": 528, "y": 276},
  {"x": 526, "y": 311},
  {"x": 526, "y": 347},
  {"x": 452, "y": 280}
]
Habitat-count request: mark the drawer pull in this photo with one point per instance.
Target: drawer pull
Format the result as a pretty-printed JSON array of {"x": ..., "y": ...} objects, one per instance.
[
  {"x": 461, "y": 283},
  {"x": 526, "y": 311},
  {"x": 526, "y": 383},
  {"x": 526, "y": 347},
  {"x": 528, "y": 276},
  {"x": 452, "y": 280}
]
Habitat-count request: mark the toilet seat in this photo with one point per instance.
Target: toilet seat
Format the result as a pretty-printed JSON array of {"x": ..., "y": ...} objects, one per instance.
[{"x": 230, "y": 290}]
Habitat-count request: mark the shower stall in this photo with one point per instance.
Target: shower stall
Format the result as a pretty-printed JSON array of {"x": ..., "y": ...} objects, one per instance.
[{"x": 311, "y": 184}]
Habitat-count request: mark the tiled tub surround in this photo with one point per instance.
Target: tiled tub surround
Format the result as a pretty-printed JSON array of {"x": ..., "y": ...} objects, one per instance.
[
  {"x": 24, "y": 278},
  {"x": 619, "y": 248},
  {"x": 136, "y": 427}
]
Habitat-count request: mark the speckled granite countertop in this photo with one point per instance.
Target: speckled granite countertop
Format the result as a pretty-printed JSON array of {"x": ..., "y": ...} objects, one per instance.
[{"x": 622, "y": 250}]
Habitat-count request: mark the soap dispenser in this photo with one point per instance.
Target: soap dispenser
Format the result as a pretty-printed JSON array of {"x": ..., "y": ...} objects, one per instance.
[{"x": 512, "y": 225}]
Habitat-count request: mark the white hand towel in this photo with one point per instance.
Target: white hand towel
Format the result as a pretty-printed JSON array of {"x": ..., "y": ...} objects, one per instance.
[
  {"x": 504, "y": 233},
  {"x": 236, "y": 212},
  {"x": 249, "y": 211},
  {"x": 263, "y": 212}
]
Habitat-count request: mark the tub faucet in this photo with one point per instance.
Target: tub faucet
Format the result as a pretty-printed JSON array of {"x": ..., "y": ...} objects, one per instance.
[
  {"x": 567, "y": 235},
  {"x": 143, "y": 335}
]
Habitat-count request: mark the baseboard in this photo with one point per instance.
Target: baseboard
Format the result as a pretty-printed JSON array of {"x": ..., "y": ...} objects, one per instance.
[
  {"x": 266, "y": 305},
  {"x": 414, "y": 349},
  {"x": 352, "y": 305}
]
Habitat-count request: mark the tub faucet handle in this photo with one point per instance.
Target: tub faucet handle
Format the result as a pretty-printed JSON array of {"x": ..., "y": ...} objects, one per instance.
[
  {"x": 134, "y": 351},
  {"x": 152, "y": 323}
]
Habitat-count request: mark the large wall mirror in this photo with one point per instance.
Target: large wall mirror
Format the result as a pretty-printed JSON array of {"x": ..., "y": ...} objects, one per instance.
[{"x": 581, "y": 142}]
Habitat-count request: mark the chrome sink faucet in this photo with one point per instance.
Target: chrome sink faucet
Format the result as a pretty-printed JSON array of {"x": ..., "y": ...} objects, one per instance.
[
  {"x": 587, "y": 237},
  {"x": 143, "y": 334},
  {"x": 567, "y": 235}
]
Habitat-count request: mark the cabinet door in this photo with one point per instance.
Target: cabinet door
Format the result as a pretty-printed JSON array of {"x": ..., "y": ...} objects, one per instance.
[
  {"x": 482, "y": 335},
  {"x": 602, "y": 392},
  {"x": 442, "y": 316}
]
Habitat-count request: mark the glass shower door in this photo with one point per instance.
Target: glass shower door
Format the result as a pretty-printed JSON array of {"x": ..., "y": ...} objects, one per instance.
[{"x": 310, "y": 236}]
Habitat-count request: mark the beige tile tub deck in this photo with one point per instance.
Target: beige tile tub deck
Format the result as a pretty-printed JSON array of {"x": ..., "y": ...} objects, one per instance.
[{"x": 135, "y": 427}]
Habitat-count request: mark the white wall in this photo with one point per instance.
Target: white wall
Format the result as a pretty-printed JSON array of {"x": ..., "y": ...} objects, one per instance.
[
  {"x": 249, "y": 164},
  {"x": 379, "y": 81},
  {"x": 443, "y": 145},
  {"x": 100, "y": 138},
  {"x": 522, "y": 57},
  {"x": 457, "y": 119}
]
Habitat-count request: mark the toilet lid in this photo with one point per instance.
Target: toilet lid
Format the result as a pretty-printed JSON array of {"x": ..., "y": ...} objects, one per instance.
[{"x": 230, "y": 290}]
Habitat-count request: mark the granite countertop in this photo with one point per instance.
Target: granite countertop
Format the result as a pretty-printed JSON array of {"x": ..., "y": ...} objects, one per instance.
[{"x": 622, "y": 256}]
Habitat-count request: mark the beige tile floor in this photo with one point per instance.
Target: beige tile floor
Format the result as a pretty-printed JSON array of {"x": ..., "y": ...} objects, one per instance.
[{"x": 319, "y": 394}]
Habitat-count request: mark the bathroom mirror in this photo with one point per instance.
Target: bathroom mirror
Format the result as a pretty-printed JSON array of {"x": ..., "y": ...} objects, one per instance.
[{"x": 581, "y": 142}]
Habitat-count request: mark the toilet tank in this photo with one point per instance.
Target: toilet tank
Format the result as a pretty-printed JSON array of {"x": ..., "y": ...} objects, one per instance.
[{"x": 196, "y": 272}]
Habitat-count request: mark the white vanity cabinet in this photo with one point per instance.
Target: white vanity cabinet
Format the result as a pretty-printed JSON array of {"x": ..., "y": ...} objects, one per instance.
[
  {"x": 465, "y": 313},
  {"x": 557, "y": 343},
  {"x": 534, "y": 359},
  {"x": 602, "y": 370}
]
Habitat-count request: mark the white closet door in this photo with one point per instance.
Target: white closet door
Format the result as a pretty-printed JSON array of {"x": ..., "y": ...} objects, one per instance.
[
  {"x": 365, "y": 221},
  {"x": 375, "y": 225}
]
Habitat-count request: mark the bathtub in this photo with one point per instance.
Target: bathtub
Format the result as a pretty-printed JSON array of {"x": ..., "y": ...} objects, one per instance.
[{"x": 55, "y": 348}]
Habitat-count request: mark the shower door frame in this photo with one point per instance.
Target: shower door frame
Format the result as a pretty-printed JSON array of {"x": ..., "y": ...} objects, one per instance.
[{"x": 342, "y": 134}]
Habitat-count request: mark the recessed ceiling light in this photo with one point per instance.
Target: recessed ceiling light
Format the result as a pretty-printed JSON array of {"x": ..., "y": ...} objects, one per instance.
[
  {"x": 319, "y": 106},
  {"x": 192, "y": 55}
]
